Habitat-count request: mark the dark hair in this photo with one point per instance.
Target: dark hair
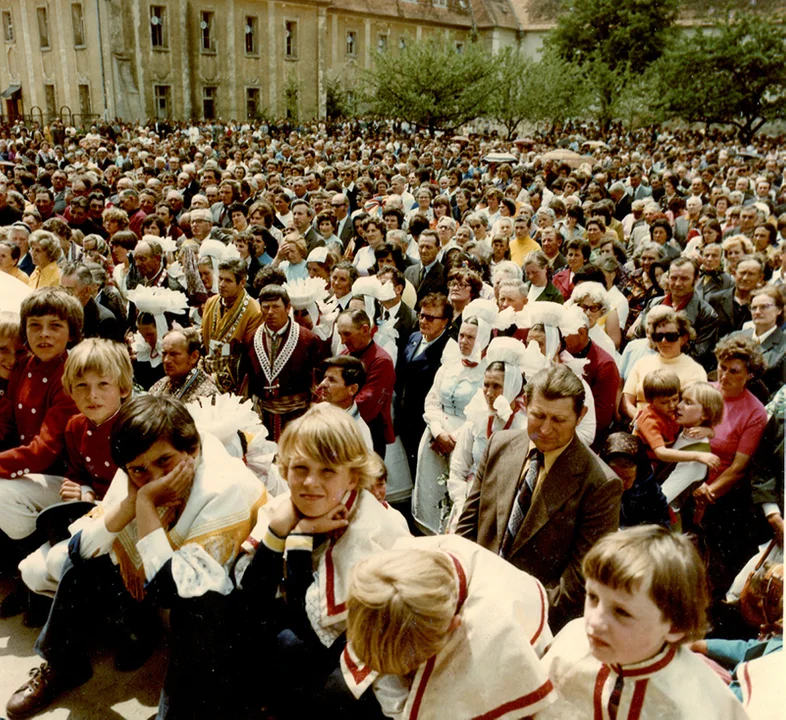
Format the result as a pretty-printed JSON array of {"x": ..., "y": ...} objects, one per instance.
[
  {"x": 352, "y": 370},
  {"x": 53, "y": 301},
  {"x": 417, "y": 224},
  {"x": 145, "y": 420},
  {"x": 349, "y": 268},
  {"x": 392, "y": 250},
  {"x": 556, "y": 383},
  {"x": 274, "y": 292},
  {"x": 126, "y": 239},
  {"x": 662, "y": 223},
  {"x": 396, "y": 276},
  {"x": 470, "y": 277},
  {"x": 394, "y": 211},
  {"x": 581, "y": 245},
  {"x": 237, "y": 266},
  {"x": 267, "y": 276}
]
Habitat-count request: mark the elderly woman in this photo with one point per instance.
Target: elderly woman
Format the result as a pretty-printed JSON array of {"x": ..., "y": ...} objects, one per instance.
[
  {"x": 374, "y": 230},
  {"x": 768, "y": 317},
  {"x": 595, "y": 302},
  {"x": 9, "y": 261},
  {"x": 723, "y": 508},
  {"x": 669, "y": 334},
  {"x": 45, "y": 251},
  {"x": 464, "y": 286},
  {"x": 541, "y": 289},
  {"x": 455, "y": 384}
]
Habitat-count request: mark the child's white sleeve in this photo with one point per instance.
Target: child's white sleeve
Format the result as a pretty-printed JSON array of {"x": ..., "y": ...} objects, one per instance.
[{"x": 391, "y": 692}]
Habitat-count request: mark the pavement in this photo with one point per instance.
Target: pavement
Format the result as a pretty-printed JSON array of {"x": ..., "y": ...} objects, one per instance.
[{"x": 109, "y": 695}]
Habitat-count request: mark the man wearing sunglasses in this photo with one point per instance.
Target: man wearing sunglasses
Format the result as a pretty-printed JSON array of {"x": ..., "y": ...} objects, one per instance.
[
  {"x": 416, "y": 370},
  {"x": 683, "y": 275}
]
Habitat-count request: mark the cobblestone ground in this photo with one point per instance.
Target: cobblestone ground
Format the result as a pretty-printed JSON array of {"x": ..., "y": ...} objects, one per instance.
[{"x": 109, "y": 695}]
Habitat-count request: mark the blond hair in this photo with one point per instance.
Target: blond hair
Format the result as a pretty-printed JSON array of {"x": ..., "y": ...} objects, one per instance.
[
  {"x": 710, "y": 398},
  {"x": 401, "y": 605},
  {"x": 102, "y": 357},
  {"x": 329, "y": 435},
  {"x": 649, "y": 556},
  {"x": 10, "y": 326},
  {"x": 660, "y": 384}
]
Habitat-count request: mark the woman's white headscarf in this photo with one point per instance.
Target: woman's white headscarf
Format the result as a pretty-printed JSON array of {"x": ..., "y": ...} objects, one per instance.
[
  {"x": 485, "y": 312},
  {"x": 217, "y": 252}
]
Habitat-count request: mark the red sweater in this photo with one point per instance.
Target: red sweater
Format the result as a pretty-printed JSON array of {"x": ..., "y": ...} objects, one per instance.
[{"x": 39, "y": 411}]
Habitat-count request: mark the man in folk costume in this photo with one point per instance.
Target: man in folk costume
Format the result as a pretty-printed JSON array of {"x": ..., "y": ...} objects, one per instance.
[
  {"x": 184, "y": 379},
  {"x": 168, "y": 531},
  {"x": 229, "y": 322},
  {"x": 283, "y": 358}
]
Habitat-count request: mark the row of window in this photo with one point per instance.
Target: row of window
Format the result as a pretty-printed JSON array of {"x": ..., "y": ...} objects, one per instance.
[
  {"x": 50, "y": 99},
  {"x": 42, "y": 15},
  {"x": 164, "y": 109},
  {"x": 159, "y": 32}
]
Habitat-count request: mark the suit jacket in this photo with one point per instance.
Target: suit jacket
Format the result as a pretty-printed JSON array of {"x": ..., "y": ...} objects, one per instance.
[
  {"x": 558, "y": 264},
  {"x": 704, "y": 319},
  {"x": 347, "y": 232},
  {"x": 436, "y": 279},
  {"x": 26, "y": 264},
  {"x": 709, "y": 284},
  {"x": 573, "y": 506},
  {"x": 406, "y": 323},
  {"x": 101, "y": 322},
  {"x": 774, "y": 350},
  {"x": 414, "y": 378},
  {"x": 723, "y": 304},
  {"x": 313, "y": 239}
]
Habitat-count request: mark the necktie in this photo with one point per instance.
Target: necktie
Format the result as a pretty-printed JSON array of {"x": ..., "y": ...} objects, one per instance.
[
  {"x": 421, "y": 276},
  {"x": 386, "y": 315},
  {"x": 522, "y": 502}
]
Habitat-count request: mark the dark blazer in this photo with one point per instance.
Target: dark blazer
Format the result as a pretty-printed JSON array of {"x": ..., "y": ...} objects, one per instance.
[
  {"x": 101, "y": 322},
  {"x": 110, "y": 298},
  {"x": 406, "y": 323},
  {"x": 26, "y": 264},
  {"x": 574, "y": 505},
  {"x": 774, "y": 350},
  {"x": 414, "y": 378},
  {"x": 560, "y": 262},
  {"x": 709, "y": 284},
  {"x": 313, "y": 239},
  {"x": 723, "y": 304},
  {"x": 436, "y": 279},
  {"x": 347, "y": 232},
  {"x": 551, "y": 294}
]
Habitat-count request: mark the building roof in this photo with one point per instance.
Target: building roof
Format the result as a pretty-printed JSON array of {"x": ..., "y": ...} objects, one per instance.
[{"x": 418, "y": 10}]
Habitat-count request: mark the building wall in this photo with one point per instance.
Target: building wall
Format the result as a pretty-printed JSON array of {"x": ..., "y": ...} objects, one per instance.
[{"x": 119, "y": 68}]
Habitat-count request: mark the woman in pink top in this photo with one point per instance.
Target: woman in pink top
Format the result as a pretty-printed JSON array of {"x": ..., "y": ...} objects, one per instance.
[{"x": 724, "y": 510}]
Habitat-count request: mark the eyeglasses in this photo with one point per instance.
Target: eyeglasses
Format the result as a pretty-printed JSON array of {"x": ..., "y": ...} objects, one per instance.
[
  {"x": 754, "y": 308},
  {"x": 667, "y": 336},
  {"x": 590, "y": 308},
  {"x": 458, "y": 284},
  {"x": 430, "y": 318}
]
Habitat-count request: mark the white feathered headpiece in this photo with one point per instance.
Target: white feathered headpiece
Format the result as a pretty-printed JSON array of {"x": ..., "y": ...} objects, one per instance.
[
  {"x": 157, "y": 301},
  {"x": 224, "y": 416},
  {"x": 217, "y": 252},
  {"x": 372, "y": 289}
]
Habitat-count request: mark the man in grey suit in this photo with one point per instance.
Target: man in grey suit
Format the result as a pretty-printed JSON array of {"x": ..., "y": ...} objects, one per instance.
[
  {"x": 540, "y": 498},
  {"x": 339, "y": 203}
]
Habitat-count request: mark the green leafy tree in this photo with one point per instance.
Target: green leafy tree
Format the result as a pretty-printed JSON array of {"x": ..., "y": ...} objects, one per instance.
[
  {"x": 431, "y": 84},
  {"x": 613, "y": 42},
  {"x": 550, "y": 90},
  {"x": 734, "y": 74}
]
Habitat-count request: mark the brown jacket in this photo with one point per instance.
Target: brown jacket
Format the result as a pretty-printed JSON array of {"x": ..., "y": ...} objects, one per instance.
[{"x": 574, "y": 506}]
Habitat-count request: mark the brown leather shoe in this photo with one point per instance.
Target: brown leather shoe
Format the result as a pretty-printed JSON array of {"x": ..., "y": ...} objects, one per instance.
[{"x": 43, "y": 686}]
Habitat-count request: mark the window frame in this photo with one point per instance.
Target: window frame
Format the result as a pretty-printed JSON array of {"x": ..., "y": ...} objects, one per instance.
[
  {"x": 210, "y": 93},
  {"x": 208, "y": 18},
  {"x": 290, "y": 43},
  {"x": 42, "y": 11},
  {"x": 352, "y": 36},
  {"x": 162, "y": 25},
  {"x": 8, "y": 26},
  {"x": 166, "y": 95},
  {"x": 253, "y": 89},
  {"x": 254, "y": 35},
  {"x": 78, "y": 23}
]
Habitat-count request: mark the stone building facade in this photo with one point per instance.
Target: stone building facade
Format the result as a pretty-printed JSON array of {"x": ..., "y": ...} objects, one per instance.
[{"x": 227, "y": 59}]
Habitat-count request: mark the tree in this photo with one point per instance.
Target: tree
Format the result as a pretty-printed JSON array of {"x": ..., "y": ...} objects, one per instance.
[
  {"x": 613, "y": 42},
  {"x": 432, "y": 84},
  {"x": 550, "y": 90},
  {"x": 734, "y": 74}
]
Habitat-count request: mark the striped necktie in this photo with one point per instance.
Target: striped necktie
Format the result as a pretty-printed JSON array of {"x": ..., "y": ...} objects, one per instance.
[{"x": 522, "y": 502}]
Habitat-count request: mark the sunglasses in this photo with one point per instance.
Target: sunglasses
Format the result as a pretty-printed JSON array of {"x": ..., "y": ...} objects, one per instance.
[
  {"x": 429, "y": 318},
  {"x": 668, "y": 336}
]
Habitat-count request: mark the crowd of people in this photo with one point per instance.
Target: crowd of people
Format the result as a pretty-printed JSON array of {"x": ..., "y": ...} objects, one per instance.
[{"x": 393, "y": 412}]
